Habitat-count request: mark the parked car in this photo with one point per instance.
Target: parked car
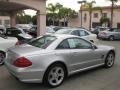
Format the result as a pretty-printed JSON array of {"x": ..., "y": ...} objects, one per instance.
[
  {"x": 2, "y": 29},
  {"x": 79, "y": 32},
  {"x": 18, "y": 33},
  {"x": 56, "y": 28},
  {"x": 51, "y": 58},
  {"x": 33, "y": 31},
  {"x": 5, "y": 43},
  {"x": 25, "y": 27},
  {"x": 110, "y": 34},
  {"x": 49, "y": 30},
  {"x": 99, "y": 29}
]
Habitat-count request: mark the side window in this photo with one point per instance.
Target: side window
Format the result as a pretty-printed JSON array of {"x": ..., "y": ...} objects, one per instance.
[
  {"x": 79, "y": 44},
  {"x": 83, "y": 33},
  {"x": 75, "y": 33},
  {"x": 16, "y": 32},
  {"x": 86, "y": 33},
  {"x": 74, "y": 43},
  {"x": 63, "y": 45}
]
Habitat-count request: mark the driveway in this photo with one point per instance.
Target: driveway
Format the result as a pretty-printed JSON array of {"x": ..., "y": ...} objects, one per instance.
[{"x": 96, "y": 79}]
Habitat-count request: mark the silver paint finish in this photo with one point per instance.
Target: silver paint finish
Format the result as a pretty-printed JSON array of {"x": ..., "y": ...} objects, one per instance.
[{"x": 76, "y": 60}]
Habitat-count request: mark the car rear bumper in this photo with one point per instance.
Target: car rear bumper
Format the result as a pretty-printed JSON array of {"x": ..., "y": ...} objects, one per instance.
[{"x": 25, "y": 75}]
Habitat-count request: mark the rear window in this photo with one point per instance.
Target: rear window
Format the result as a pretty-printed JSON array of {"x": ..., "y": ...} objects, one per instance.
[{"x": 42, "y": 42}]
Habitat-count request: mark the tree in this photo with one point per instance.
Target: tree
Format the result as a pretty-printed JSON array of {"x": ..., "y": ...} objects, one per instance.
[
  {"x": 34, "y": 20},
  {"x": 26, "y": 19},
  {"x": 59, "y": 7},
  {"x": 112, "y": 11},
  {"x": 89, "y": 6},
  {"x": 67, "y": 13},
  {"x": 52, "y": 9},
  {"x": 57, "y": 12},
  {"x": 105, "y": 21}
]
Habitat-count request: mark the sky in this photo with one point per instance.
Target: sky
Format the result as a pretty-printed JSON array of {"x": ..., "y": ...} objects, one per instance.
[{"x": 71, "y": 4}]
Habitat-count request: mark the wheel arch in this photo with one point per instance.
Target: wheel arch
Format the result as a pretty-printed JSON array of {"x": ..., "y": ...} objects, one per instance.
[
  {"x": 56, "y": 62},
  {"x": 112, "y": 52},
  {"x": 111, "y": 36},
  {"x": 3, "y": 52}
]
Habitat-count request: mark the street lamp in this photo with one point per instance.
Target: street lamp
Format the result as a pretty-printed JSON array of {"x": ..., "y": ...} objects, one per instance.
[{"x": 81, "y": 2}]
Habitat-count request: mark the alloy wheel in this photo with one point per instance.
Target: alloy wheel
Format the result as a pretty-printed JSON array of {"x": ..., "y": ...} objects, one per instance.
[
  {"x": 2, "y": 56},
  {"x": 110, "y": 60},
  {"x": 56, "y": 76}
]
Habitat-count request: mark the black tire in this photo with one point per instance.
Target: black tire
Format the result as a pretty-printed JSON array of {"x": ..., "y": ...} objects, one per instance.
[
  {"x": 2, "y": 56},
  {"x": 46, "y": 80},
  {"x": 109, "y": 63},
  {"x": 111, "y": 38}
]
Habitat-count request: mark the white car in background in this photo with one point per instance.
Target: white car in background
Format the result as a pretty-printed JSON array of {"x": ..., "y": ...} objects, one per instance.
[
  {"x": 83, "y": 33},
  {"x": 19, "y": 33},
  {"x": 2, "y": 29},
  {"x": 49, "y": 30},
  {"x": 5, "y": 43}
]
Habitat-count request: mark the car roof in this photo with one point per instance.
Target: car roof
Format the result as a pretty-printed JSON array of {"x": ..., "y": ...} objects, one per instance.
[
  {"x": 64, "y": 36},
  {"x": 72, "y": 29}
]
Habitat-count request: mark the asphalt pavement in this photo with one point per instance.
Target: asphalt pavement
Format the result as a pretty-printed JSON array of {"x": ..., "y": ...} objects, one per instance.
[{"x": 95, "y": 79}]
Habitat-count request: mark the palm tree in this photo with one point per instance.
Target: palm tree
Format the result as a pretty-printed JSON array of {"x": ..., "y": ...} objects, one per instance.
[
  {"x": 52, "y": 9},
  {"x": 112, "y": 11},
  {"x": 90, "y": 8},
  {"x": 59, "y": 7},
  {"x": 66, "y": 14},
  {"x": 104, "y": 20}
]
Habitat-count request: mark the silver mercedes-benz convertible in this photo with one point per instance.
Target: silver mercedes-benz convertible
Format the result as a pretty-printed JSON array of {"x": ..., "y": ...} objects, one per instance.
[{"x": 52, "y": 58}]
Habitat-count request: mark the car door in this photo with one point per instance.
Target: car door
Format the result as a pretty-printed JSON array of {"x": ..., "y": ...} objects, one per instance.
[
  {"x": 63, "y": 52},
  {"x": 117, "y": 33},
  {"x": 84, "y": 34},
  {"x": 83, "y": 54}
]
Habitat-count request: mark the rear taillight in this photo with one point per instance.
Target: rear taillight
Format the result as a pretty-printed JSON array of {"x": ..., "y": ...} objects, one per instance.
[
  {"x": 18, "y": 43},
  {"x": 22, "y": 62}
]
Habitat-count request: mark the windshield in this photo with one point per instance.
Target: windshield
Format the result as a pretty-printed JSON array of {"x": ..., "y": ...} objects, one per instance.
[
  {"x": 42, "y": 42},
  {"x": 21, "y": 30},
  {"x": 63, "y": 31},
  {"x": 49, "y": 30}
]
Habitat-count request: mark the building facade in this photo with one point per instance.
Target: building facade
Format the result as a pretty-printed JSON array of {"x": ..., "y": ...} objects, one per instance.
[
  {"x": 5, "y": 20},
  {"x": 96, "y": 17},
  {"x": 14, "y": 6}
]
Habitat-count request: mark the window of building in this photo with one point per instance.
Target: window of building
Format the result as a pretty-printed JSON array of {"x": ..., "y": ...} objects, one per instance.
[
  {"x": 104, "y": 14},
  {"x": 95, "y": 15}
]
